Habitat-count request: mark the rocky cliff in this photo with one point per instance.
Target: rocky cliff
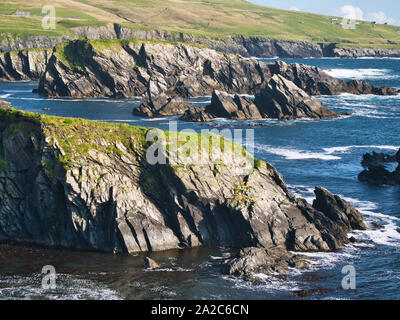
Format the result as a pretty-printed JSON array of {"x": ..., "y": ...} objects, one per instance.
[
  {"x": 23, "y": 64},
  {"x": 245, "y": 46},
  {"x": 131, "y": 68},
  {"x": 88, "y": 185}
]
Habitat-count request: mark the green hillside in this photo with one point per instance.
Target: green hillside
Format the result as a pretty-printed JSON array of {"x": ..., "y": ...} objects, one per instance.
[{"x": 200, "y": 17}]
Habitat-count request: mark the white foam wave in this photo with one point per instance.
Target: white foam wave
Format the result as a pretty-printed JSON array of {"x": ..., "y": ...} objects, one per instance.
[
  {"x": 4, "y": 96},
  {"x": 269, "y": 283},
  {"x": 360, "y": 74},
  {"x": 68, "y": 288},
  {"x": 345, "y": 149},
  {"x": 295, "y": 154},
  {"x": 179, "y": 269}
]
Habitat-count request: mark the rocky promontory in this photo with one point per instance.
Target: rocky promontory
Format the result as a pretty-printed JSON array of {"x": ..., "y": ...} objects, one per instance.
[
  {"x": 131, "y": 68},
  {"x": 82, "y": 184}
]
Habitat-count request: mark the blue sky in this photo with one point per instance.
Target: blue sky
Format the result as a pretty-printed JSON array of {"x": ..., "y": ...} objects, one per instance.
[{"x": 380, "y": 11}]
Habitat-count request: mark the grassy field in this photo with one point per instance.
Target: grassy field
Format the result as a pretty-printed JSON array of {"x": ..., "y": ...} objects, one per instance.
[{"x": 201, "y": 17}]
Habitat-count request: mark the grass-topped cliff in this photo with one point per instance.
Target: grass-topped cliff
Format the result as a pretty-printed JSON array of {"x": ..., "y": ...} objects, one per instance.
[
  {"x": 78, "y": 138},
  {"x": 216, "y": 18},
  {"x": 86, "y": 185}
]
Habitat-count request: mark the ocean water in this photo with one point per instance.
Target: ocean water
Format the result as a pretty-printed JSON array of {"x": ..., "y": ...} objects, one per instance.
[{"x": 308, "y": 153}]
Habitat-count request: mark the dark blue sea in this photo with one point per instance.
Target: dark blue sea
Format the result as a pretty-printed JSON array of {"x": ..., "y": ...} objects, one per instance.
[{"x": 308, "y": 153}]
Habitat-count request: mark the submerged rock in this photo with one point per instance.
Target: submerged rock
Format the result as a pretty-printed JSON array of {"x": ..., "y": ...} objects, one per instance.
[{"x": 282, "y": 99}]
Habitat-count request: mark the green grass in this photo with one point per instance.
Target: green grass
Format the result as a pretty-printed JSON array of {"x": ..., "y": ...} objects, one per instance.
[
  {"x": 77, "y": 137},
  {"x": 215, "y": 18}
]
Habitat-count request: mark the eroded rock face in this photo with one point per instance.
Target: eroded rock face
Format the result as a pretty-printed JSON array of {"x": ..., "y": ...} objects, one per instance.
[
  {"x": 103, "y": 195},
  {"x": 24, "y": 64},
  {"x": 376, "y": 172},
  {"x": 182, "y": 70},
  {"x": 282, "y": 99}
]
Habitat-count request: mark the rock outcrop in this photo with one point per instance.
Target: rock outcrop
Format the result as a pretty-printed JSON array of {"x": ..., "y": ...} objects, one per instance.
[
  {"x": 131, "y": 68},
  {"x": 251, "y": 261},
  {"x": 315, "y": 81},
  {"x": 376, "y": 172},
  {"x": 24, "y": 64},
  {"x": 339, "y": 217},
  {"x": 282, "y": 99},
  {"x": 161, "y": 106},
  {"x": 81, "y": 184},
  {"x": 223, "y": 105}
]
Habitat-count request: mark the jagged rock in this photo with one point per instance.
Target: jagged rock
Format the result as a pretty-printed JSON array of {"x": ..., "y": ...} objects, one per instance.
[
  {"x": 375, "y": 159},
  {"x": 237, "y": 108},
  {"x": 379, "y": 175},
  {"x": 250, "y": 261},
  {"x": 376, "y": 172},
  {"x": 315, "y": 81},
  {"x": 342, "y": 213},
  {"x": 362, "y": 87},
  {"x": 161, "y": 105},
  {"x": 282, "y": 99},
  {"x": 224, "y": 105},
  {"x": 150, "y": 264}
]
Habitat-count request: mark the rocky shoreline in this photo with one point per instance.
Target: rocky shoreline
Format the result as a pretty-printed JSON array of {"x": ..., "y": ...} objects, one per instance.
[{"x": 245, "y": 46}]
